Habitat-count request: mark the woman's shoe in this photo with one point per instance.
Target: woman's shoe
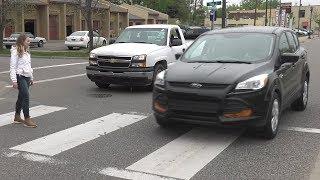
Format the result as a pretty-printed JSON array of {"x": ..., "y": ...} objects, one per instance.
[{"x": 29, "y": 123}]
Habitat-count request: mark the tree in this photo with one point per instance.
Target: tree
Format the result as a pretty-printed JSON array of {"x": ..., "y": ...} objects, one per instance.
[
  {"x": 6, "y": 12},
  {"x": 87, "y": 8},
  {"x": 316, "y": 18}
]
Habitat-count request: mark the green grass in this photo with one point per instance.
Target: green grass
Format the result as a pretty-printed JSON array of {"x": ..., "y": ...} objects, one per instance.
[{"x": 35, "y": 53}]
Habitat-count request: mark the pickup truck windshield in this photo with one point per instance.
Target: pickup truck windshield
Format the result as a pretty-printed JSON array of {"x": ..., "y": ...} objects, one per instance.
[
  {"x": 230, "y": 48},
  {"x": 156, "y": 36}
]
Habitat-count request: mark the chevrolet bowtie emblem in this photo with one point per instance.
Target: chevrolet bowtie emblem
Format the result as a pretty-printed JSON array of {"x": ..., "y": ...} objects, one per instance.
[{"x": 196, "y": 85}]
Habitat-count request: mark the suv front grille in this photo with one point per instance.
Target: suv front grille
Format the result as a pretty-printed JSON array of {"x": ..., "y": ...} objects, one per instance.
[{"x": 204, "y": 85}]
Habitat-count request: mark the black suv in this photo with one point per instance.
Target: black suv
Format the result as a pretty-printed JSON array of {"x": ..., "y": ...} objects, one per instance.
[{"x": 239, "y": 76}]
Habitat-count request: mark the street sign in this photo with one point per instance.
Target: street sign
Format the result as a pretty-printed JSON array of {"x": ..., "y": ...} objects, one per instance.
[{"x": 214, "y": 3}]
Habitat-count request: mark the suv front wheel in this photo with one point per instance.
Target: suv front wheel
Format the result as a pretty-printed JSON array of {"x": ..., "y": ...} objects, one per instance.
[{"x": 273, "y": 117}]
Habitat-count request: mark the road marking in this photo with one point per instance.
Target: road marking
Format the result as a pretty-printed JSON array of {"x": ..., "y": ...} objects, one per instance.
[
  {"x": 53, "y": 79},
  {"x": 307, "y": 130},
  {"x": 61, "y": 141},
  {"x": 53, "y": 66},
  {"x": 127, "y": 174},
  {"x": 2, "y": 99},
  {"x": 183, "y": 157},
  {"x": 36, "y": 111}
]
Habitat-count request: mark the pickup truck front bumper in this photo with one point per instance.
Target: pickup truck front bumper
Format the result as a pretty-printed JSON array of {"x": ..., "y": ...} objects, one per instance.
[{"x": 121, "y": 76}]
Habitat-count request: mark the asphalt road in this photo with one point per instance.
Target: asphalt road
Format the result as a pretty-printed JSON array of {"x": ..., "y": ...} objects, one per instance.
[{"x": 87, "y": 133}]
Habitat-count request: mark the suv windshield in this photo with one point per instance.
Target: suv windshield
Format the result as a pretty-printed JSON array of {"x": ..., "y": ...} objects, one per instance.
[
  {"x": 232, "y": 48},
  {"x": 156, "y": 36}
]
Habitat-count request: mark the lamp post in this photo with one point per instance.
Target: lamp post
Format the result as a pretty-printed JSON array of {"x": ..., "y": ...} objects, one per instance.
[
  {"x": 311, "y": 11},
  {"x": 266, "y": 19},
  {"x": 299, "y": 15}
]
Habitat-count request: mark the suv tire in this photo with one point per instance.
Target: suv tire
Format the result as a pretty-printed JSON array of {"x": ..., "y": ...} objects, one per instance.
[
  {"x": 301, "y": 103},
  {"x": 273, "y": 117},
  {"x": 163, "y": 122}
]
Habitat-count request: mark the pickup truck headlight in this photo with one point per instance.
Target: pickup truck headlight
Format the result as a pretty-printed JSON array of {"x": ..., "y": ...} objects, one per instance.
[
  {"x": 160, "y": 81},
  {"x": 93, "y": 59},
  {"x": 254, "y": 83},
  {"x": 139, "y": 61}
]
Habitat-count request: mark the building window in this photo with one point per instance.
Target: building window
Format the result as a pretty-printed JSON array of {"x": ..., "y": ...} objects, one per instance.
[{"x": 302, "y": 13}]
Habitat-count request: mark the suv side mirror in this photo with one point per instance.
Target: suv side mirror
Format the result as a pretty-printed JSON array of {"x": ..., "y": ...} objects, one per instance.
[
  {"x": 112, "y": 41},
  {"x": 176, "y": 42},
  {"x": 289, "y": 58}
]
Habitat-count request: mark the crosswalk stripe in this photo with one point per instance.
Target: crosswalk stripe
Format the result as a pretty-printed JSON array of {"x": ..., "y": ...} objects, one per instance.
[
  {"x": 127, "y": 174},
  {"x": 36, "y": 111},
  {"x": 61, "y": 141},
  {"x": 185, "y": 156},
  {"x": 300, "y": 129}
]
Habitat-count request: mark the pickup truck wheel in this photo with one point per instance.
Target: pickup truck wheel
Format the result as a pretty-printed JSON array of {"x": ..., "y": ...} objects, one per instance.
[
  {"x": 40, "y": 44},
  {"x": 102, "y": 85},
  {"x": 301, "y": 103},
  {"x": 8, "y": 47},
  {"x": 273, "y": 117},
  {"x": 70, "y": 48},
  {"x": 157, "y": 70}
]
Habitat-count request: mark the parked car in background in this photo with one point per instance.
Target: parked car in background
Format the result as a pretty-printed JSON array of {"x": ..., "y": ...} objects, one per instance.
[
  {"x": 80, "y": 39},
  {"x": 137, "y": 56},
  {"x": 193, "y": 32},
  {"x": 236, "y": 77},
  {"x": 35, "y": 41},
  {"x": 301, "y": 32}
]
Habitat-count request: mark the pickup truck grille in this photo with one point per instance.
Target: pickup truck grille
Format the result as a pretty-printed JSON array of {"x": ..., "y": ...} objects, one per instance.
[{"x": 116, "y": 62}]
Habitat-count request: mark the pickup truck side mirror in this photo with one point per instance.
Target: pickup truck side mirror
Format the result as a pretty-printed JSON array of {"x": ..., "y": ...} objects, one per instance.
[
  {"x": 176, "y": 42},
  {"x": 289, "y": 58},
  {"x": 112, "y": 41},
  {"x": 178, "y": 56}
]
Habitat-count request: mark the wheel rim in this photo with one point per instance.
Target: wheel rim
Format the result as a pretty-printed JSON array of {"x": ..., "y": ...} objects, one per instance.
[
  {"x": 305, "y": 93},
  {"x": 275, "y": 115}
]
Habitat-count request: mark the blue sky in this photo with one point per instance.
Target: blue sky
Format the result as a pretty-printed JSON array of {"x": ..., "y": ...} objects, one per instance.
[{"x": 304, "y": 2}]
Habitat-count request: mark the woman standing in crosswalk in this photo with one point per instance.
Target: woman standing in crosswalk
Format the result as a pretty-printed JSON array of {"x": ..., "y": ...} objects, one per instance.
[{"x": 21, "y": 75}]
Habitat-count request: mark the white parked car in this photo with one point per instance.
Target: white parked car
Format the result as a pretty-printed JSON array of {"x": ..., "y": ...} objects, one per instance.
[
  {"x": 80, "y": 39},
  {"x": 35, "y": 41},
  {"x": 137, "y": 56}
]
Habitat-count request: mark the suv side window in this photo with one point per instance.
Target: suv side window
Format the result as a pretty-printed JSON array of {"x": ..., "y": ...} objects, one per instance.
[
  {"x": 174, "y": 34},
  {"x": 283, "y": 44},
  {"x": 292, "y": 43},
  {"x": 295, "y": 37}
]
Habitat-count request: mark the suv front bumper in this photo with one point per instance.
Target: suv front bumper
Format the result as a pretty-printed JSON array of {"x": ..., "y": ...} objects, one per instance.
[{"x": 121, "y": 76}]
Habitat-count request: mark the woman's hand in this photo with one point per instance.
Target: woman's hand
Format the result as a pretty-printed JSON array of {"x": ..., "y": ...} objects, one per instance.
[
  {"x": 15, "y": 85},
  {"x": 31, "y": 82}
]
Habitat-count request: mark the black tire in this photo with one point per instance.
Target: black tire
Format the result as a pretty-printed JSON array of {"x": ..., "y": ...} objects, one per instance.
[
  {"x": 271, "y": 129},
  {"x": 102, "y": 85},
  {"x": 162, "y": 122},
  {"x": 70, "y": 48},
  {"x": 8, "y": 46},
  {"x": 301, "y": 103},
  {"x": 40, "y": 44}
]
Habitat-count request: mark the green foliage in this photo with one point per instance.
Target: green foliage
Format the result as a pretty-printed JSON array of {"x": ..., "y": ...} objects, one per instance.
[
  {"x": 316, "y": 18},
  {"x": 261, "y": 4}
]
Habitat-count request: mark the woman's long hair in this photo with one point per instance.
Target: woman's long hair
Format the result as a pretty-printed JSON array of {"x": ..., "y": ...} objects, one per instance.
[{"x": 21, "y": 47}]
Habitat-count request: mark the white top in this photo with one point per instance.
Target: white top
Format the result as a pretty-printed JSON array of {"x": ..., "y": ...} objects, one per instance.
[{"x": 21, "y": 66}]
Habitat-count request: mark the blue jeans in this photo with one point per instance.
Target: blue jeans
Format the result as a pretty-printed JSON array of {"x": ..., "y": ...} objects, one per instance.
[{"x": 23, "y": 97}]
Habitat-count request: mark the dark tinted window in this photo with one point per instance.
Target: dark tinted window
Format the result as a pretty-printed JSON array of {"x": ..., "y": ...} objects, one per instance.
[
  {"x": 283, "y": 44},
  {"x": 292, "y": 43},
  {"x": 295, "y": 37}
]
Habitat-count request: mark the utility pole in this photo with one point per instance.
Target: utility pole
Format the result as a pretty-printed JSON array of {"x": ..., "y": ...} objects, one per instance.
[
  {"x": 266, "y": 19},
  {"x": 311, "y": 10},
  {"x": 255, "y": 13},
  {"x": 224, "y": 13},
  {"x": 299, "y": 14},
  {"x": 270, "y": 13}
]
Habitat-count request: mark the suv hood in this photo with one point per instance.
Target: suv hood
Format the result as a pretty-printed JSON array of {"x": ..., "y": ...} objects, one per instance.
[
  {"x": 213, "y": 73},
  {"x": 126, "y": 49}
]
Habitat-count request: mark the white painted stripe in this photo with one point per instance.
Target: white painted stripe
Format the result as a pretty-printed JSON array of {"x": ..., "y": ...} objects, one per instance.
[
  {"x": 53, "y": 66},
  {"x": 36, "y": 111},
  {"x": 69, "y": 138},
  {"x": 54, "y": 79},
  {"x": 185, "y": 156},
  {"x": 127, "y": 174},
  {"x": 307, "y": 130},
  {"x": 1, "y": 99}
]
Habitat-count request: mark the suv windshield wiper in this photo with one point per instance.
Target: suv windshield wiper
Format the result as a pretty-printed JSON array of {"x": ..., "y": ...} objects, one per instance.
[
  {"x": 233, "y": 61},
  {"x": 121, "y": 42},
  {"x": 142, "y": 42}
]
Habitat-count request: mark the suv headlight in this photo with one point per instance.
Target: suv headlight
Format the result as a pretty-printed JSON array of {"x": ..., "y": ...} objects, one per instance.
[
  {"x": 160, "y": 81},
  {"x": 139, "y": 61},
  {"x": 254, "y": 83},
  {"x": 93, "y": 59}
]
